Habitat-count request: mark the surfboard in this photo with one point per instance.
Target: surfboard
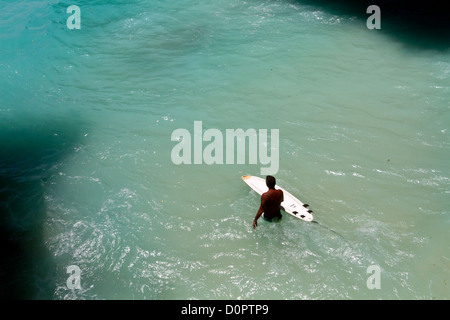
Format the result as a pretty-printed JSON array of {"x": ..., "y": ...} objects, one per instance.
[{"x": 291, "y": 204}]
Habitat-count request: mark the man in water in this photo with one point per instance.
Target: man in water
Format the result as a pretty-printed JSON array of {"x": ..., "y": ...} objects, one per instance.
[{"x": 270, "y": 203}]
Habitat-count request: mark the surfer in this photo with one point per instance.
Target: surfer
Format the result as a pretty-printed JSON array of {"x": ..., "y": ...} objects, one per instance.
[{"x": 270, "y": 203}]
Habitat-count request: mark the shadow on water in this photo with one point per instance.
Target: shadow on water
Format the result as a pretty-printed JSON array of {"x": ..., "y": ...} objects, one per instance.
[
  {"x": 415, "y": 24},
  {"x": 28, "y": 151}
]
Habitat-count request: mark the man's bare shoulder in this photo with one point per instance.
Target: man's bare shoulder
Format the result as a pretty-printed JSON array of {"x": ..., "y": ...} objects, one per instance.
[{"x": 271, "y": 192}]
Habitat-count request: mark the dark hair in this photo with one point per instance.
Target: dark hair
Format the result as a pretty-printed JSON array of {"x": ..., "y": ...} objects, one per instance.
[{"x": 270, "y": 182}]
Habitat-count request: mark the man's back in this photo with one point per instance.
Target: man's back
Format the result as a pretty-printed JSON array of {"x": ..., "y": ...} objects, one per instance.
[{"x": 270, "y": 203}]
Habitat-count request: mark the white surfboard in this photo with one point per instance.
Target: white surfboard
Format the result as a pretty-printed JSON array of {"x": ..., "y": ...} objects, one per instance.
[{"x": 291, "y": 204}]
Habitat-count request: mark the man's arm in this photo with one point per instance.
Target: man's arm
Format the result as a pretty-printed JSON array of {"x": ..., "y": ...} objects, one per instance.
[{"x": 259, "y": 213}]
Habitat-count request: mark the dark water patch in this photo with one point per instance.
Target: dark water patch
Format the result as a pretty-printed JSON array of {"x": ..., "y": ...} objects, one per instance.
[
  {"x": 416, "y": 24},
  {"x": 29, "y": 148}
]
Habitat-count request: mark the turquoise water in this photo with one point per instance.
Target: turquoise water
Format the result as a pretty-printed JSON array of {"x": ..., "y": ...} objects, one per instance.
[{"x": 87, "y": 179}]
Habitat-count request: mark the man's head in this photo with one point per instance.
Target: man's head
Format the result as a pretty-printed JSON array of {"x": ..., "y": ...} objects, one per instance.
[{"x": 270, "y": 182}]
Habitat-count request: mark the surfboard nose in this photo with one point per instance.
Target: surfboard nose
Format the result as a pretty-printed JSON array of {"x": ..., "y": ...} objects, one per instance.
[{"x": 245, "y": 177}]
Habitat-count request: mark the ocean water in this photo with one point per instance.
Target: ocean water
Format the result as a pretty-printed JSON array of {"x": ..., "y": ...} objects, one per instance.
[{"x": 87, "y": 178}]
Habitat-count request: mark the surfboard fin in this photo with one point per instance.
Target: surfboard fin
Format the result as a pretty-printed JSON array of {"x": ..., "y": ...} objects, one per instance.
[
  {"x": 310, "y": 211},
  {"x": 306, "y": 205}
]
